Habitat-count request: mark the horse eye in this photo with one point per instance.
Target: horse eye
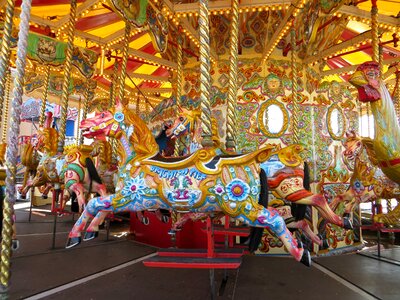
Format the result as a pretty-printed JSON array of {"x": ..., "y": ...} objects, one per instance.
[
  {"x": 102, "y": 115},
  {"x": 181, "y": 119}
]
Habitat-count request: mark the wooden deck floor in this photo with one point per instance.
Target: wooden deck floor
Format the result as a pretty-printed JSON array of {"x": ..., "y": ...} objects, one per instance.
[{"x": 113, "y": 269}]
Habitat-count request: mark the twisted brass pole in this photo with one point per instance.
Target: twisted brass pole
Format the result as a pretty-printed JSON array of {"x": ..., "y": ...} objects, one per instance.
[
  {"x": 124, "y": 62},
  {"x": 67, "y": 77},
  {"x": 5, "y": 45},
  {"x": 397, "y": 95},
  {"x": 89, "y": 95},
  {"x": 44, "y": 100},
  {"x": 5, "y": 50},
  {"x": 5, "y": 108},
  {"x": 233, "y": 86},
  {"x": 179, "y": 79},
  {"x": 205, "y": 76},
  {"x": 114, "y": 85},
  {"x": 295, "y": 113},
  {"x": 12, "y": 149},
  {"x": 121, "y": 84},
  {"x": 375, "y": 31}
]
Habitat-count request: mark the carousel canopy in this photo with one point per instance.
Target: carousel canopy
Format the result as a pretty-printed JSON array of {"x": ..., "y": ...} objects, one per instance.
[{"x": 334, "y": 35}]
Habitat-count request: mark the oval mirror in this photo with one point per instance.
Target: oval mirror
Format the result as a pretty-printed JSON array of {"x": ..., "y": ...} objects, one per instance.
[
  {"x": 336, "y": 122},
  {"x": 273, "y": 118}
]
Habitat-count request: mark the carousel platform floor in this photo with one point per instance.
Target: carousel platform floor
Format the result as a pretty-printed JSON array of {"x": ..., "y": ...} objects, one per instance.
[{"x": 113, "y": 269}]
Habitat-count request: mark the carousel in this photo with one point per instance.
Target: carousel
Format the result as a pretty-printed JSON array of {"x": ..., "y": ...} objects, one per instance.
[{"x": 246, "y": 138}]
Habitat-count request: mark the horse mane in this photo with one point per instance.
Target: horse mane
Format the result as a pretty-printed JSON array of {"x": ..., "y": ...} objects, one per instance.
[
  {"x": 142, "y": 139},
  {"x": 49, "y": 135}
]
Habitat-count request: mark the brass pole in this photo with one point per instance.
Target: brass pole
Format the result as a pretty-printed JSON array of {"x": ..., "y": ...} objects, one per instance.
[
  {"x": 5, "y": 50},
  {"x": 205, "y": 77},
  {"x": 179, "y": 79},
  {"x": 295, "y": 113},
  {"x": 114, "y": 85},
  {"x": 124, "y": 62},
  {"x": 12, "y": 149},
  {"x": 5, "y": 108},
  {"x": 44, "y": 100},
  {"x": 89, "y": 95},
  {"x": 397, "y": 95},
  {"x": 233, "y": 86},
  {"x": 67, "y": 77},
  {"x": 375, "y": 31}
]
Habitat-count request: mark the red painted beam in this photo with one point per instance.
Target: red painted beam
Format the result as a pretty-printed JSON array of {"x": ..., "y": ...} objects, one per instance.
[
  {"x": 93, "y": 22},
  {"x": 47, "y": 2}
]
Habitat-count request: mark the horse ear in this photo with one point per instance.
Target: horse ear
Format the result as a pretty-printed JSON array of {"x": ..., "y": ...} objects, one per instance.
[{"x": 118, "y": 106}]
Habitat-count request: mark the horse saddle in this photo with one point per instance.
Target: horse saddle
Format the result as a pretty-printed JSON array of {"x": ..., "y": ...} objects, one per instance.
[{"x": 206, "y": 160}]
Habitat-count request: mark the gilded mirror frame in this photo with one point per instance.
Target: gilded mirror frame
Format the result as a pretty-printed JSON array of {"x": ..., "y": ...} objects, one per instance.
[
  {"x": 260, "y": 118},
  {"x": 342, "y": 127}
]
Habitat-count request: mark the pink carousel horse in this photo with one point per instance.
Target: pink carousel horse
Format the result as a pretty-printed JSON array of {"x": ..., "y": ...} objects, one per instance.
[
  {"x": 201, "y": 182},
  {"x": 76, "y": 172}
]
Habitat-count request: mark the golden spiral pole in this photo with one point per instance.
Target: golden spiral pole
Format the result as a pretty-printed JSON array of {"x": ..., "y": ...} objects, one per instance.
[
  {"x": 5, "y": 49},
  {"x": 67, "y": 77},
  {"x": 5, "y": 108},
  {"x": 397, "y": 95},
  {"x": 205, "y": 76},
  {"x": 375, "y": 31},
  {"x": 121, "y": 84},
  {"x": 114, "y": 85},
  {"x": 78, "y": 121},
  {"x": 125, "y": 54},
  {"x": 12, "y": 149},
  {"x": 45, "y": 93},
  {"x": 295, "y": 113},
  {"x": 89, "y": 94},
  {"x": 230, "y": 144},
  {"x": 179, "y": 79}
]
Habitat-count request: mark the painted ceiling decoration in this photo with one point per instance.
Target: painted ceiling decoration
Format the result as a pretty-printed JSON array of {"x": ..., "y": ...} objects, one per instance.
[{"x": 332, "y": 34}]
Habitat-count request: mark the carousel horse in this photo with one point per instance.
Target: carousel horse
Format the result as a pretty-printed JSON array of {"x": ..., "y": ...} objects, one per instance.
[
  {"x": 284, "y": 178},
  {"x": 384, "y": 149},
  {"x": 77, "y": 172},
  {"x": 31, "y": 154},
  {"x": 367, "y": 182},
  {"x": 201, "y": 182}
]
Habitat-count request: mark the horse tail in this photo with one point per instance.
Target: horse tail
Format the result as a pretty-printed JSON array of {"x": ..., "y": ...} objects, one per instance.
[
  {"x": 299, "y": 210},
  {"x": 257, "y": 232}
]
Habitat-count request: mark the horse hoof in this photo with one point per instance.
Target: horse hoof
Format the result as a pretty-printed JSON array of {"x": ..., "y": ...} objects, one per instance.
[
  {"x": 165, "y": 219},
  {"x": 172, "y": 232},
  {"x": 90, "y": 235},
  {"x": 14, "y": 245},
  {"x": 306, "y": 258},
  {"x": 145, "y": 221},
  {"x": 324, "y": 245},
  {"x": 72, "y": 242},
  {"x": 347, "y": 223}
]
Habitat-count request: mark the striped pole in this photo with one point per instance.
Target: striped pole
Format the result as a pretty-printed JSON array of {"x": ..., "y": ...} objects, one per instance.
[
  {"x": 67, "y": 77},
  {"x": 233, "y": 86},
  {"x": 12, "y": 149},
  {"x": 205, "y": 77}
]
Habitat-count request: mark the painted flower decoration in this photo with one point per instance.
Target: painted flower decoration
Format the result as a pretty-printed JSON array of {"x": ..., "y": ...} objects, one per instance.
[
  {"x": 119, "y": 117},
  {"x": 134, "y": 188},
  {"x": 358, "y": 187},
  {"x": 238, "y": 190},
  {"x": 219, "y": 189}
]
